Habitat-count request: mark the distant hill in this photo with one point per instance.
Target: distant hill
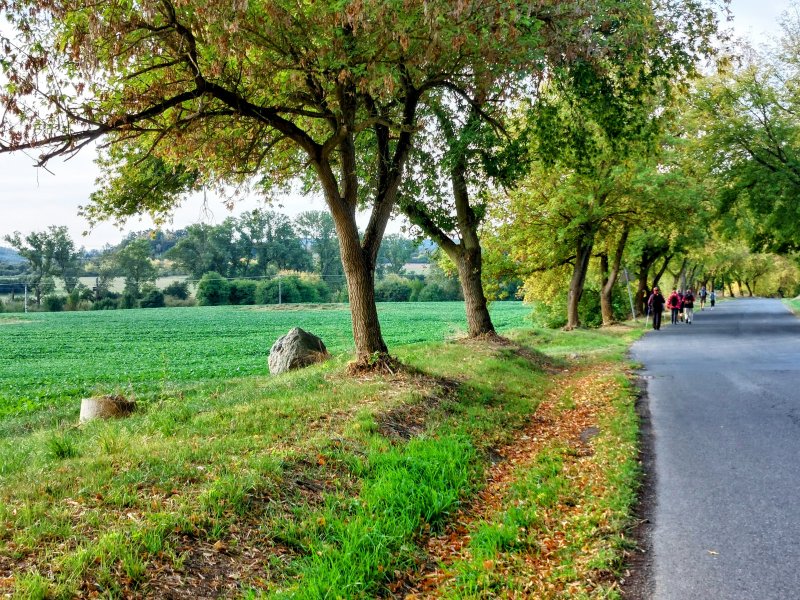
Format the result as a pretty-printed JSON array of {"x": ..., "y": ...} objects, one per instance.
[{"x": 10, "y": 257}]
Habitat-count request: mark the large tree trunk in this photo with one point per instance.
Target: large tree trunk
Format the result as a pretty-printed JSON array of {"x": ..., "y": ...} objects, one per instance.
[
  {"x": 359, "y": 254},
  {"x": 646, "y": 261},
  {"x": 469, "y": 260},
  {"x": 467, "y": 253},
  {"x": 364, "y": 312},
  {"x": 606, "y": 291},
  {"x": 469, "y": 275},
  {"x": 609, "y": 279},
  {"x": 578, "y": 280},
  {"x": 643, "y": 290}
]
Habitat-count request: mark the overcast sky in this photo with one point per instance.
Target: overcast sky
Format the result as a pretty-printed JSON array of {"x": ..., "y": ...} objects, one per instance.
[{"x": 32, "y": 199}]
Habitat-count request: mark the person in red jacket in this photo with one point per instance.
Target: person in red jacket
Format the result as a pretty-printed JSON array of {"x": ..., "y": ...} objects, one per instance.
[
  {"x": 688, "y": 306},
  {"x": 674, "y": 304}
]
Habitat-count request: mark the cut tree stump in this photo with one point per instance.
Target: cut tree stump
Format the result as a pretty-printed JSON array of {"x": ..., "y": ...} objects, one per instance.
[{"x": 105, "y": 407}]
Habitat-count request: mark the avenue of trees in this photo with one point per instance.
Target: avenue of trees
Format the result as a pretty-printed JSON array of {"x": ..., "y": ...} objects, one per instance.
[{"x": 561, "y": 144}]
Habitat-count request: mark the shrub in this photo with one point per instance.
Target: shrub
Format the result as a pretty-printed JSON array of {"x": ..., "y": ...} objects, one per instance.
[
  {"x": 213, "y": 290},
  {"x": 172, "y": 301},
  {"x": 283, "y": 288},
  {"x": 436, "y": 292},
  {"x": 242, "y": 291},
  {"x": 105, "y": 304},
  {"x": 74, "y": 299},
  {"x": 178, "y": 289},
  {"x": 54, "y": 303},
  {"x": 393, "y": 288},
  {"x": 152, "y": 299},
  {"x": 128, "y": 300}
]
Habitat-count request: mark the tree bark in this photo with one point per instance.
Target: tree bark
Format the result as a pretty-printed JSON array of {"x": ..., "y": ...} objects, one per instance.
[
  {"x": 582, "y": 256},
  {"x": 609, "y": 279},
  {"x": 479, "y": 322},
  {"x": 662, "y": 270},
  {"x": 469, "y": 260},
  {"x": 467, "y": 254},
  {"x": 646, "y": 261}
]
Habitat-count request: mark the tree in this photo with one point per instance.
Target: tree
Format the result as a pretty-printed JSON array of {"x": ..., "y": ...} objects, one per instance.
[
  {"x": 206, "y": 248},
  {"x": 395, "y": 251},
  {"x": 49, "y": 253},
  {"x": 748, "y": 135},
  {"x": 134, "y": 264},
  {"x": 231, "y": 90},
  {"x": 452, "y": 219},
  {"x": 270, "y": 239},
  {"x": 319, "y": 233},
  {"x": 66, "y": 259}
]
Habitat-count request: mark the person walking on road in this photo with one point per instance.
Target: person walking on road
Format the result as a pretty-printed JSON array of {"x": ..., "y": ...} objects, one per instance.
[
  {"x": 688, "y": 306},
  {"x": 674, "y": 305},
  {"x": 655, "y": 304},
  {"x": 702, "y": 295},
  {"x": 712, "y": 298}
]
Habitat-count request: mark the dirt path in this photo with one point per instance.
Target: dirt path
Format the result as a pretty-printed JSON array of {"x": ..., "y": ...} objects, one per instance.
[{"x": 567, "y": 418}]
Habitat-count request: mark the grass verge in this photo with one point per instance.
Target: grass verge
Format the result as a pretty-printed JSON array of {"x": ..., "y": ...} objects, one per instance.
[{"x": 316, "y": 485}]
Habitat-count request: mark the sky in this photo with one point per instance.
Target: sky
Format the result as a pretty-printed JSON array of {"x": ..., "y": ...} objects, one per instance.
[{"x": 32, "y": 199}]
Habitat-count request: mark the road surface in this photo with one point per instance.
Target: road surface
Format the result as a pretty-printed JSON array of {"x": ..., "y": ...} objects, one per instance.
[{"x": 724, "y": 397}]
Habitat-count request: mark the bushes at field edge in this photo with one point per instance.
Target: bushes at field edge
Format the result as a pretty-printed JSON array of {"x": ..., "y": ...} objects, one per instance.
[{"x": 213, "y": 290}]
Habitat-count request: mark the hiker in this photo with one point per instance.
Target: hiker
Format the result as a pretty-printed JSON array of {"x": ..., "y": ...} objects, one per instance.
[
  {"x": 655, "y": 304},
  {"x": 674, "y": 305},
  {"x": 703, "y": 293},
  {"x": 712, "y": 298},
  {"x": 680, "y": 306},
  {"x": 688, "y": 306}
]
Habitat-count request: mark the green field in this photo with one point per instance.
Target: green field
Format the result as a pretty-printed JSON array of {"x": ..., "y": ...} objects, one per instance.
[{"x": 47, "y": 359}]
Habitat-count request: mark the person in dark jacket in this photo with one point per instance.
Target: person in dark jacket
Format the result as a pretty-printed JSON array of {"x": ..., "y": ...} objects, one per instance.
[
  {"x": 655, "y": 304},
  {"x": 688, "y": 306},
  {"x": 674, "y": 305}
]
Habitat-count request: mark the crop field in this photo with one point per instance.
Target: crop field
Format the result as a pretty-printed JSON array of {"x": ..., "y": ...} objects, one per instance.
[{"x": 47, "y": 359}]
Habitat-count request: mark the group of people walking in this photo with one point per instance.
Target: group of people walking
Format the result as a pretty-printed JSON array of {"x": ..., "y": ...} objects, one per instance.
[{"x": 680, "y": 304}]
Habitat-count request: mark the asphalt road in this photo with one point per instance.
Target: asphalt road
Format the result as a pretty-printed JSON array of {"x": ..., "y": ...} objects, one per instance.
[{"x": 724, "y": 397}]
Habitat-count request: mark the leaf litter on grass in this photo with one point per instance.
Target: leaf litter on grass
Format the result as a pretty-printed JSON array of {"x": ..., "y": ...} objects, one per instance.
[{"x": 532, "y": 572}]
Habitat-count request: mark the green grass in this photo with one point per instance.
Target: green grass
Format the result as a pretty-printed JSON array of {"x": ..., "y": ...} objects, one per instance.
[
  {"x": 304, "y": 472},
  {"x": 794, "y": 305},
  {"x": 52, "y": 358}
]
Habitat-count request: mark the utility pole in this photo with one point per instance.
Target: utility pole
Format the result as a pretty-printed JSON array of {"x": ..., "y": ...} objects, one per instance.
[{"x": 26, "y": 297}]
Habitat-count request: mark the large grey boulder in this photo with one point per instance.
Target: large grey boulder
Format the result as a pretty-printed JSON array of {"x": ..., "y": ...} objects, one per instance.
[{"x": 295, "y": 350}]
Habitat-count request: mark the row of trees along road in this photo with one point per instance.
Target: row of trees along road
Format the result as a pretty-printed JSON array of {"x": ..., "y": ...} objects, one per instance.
[{"x": 337, "y": 93}]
